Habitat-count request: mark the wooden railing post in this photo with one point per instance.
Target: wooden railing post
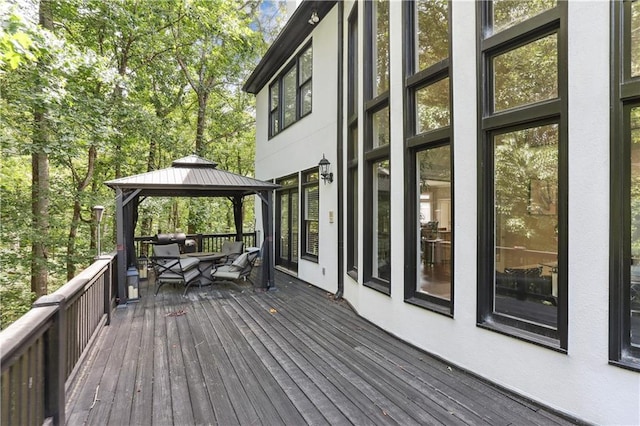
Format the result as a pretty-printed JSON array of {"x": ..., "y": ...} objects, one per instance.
[
  {"x": 108, "y": 274},
  {"x": 55, "y": 359}
]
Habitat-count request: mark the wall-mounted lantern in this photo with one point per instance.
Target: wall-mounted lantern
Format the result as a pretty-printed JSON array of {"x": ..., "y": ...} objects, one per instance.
[{"x": 325, "y": 170}]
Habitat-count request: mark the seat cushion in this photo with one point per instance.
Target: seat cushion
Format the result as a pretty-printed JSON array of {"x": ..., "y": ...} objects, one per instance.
[
  {"x": 240, "y": 263},
  {"x": 171, "y": 276},
  {"x": 188, "y": 263},
  {"x": 226, "y": 272}
]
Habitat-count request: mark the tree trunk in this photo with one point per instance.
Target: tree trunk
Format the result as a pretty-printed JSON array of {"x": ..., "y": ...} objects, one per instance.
[
  {"x": 40, "y": 181},
  {"x": 40, "y": 213},
  {"x": 81, "y": 185},
  {"x": 203, "y": 98}
]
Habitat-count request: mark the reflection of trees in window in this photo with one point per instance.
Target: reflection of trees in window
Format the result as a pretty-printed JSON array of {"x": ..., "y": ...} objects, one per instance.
[
  {"x": 526, "y": 187},
  {"x": 435, "y": 164},
  {"x": 291, "y": 94},
  {"x": 382, "y": 220},
  {"x": 522, "y": 254},
  {"x": 526, "y": 74},
  {"x": 305, "y": 66},
  {"x": 507, "y": 13},
  {"x": 275, "y": 111},
  {"x": 380, "y": 121},
  {"x": 432, "y": 32},
  {"x": 381, "y": 47},
  {"x": 289, "y": 101},
  {"x": 352, "y": 144},
  {"x": 635, "y": 38},
  {"x": 635, "y": 181},
  {"x": 429, "y": 247},
  {"x": 377, "y": 266},
  {"x": 432, "y": 106}
]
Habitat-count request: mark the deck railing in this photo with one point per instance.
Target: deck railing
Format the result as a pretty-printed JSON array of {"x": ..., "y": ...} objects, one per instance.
[
  {"x": 43, "y": 349},
  {"x": 203, "y": 242}
]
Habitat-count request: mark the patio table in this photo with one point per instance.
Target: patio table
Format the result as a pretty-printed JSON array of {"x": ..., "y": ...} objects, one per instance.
[{"x": 207, "y": 260}]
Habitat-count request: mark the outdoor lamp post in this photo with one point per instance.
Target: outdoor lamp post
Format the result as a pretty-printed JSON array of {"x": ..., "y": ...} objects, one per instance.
[
  {"x": 98, "y": 211},
  {"x": 325, "y": 170}
]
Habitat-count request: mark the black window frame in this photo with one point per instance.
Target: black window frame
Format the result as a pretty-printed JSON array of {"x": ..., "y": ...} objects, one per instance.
[
  {"x": 290, "y": 188},
  {"x": 414, "y": 143},
  {"x": 352, "y": 145},
  {"x": 625, "y": 95},
  {"x": 527, "y": 116},
  {"x": 279, "y": 83},
  {"x": 310, "y": 178},
  {"x": 372, "y": 155}
]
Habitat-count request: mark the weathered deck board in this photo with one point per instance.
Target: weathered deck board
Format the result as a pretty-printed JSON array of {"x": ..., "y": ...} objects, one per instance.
[
  {"x": 329, "y": 382},
  {"x": 464, "y": 389},
  {"x": 367, "y": 374},
  {"x": 227, "y": 355}
]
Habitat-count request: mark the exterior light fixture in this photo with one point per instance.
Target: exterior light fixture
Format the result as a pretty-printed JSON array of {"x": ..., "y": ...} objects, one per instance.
[
  {"x": 98, "y": 211},
  {"x": 314, "y": 19},
  {"x": 325, "y": 170}
]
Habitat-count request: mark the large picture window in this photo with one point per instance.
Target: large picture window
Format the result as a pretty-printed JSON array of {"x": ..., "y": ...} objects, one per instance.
[
  {"x": 624, "y": 346},
  {"x": 290, "y": 96},
  {"x": 429, "y": 221},
  {"x": 377, "y": 218},
  {"x": 522, "y": 281}
]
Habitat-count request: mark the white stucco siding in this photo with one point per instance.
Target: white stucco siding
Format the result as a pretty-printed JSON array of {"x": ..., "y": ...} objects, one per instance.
[
  {"x": 300, "y": 147},
  {"x": 580, "y": 383}
]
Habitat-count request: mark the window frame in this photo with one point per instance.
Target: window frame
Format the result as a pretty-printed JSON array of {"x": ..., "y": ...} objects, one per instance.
[
  {"x": 372, "y": 155},
  {"x": 625, "y": 96},
  {"x": 308, "y": 182},
  {"x": 290, "y": 188},
  {"x": 278, "y": 82},
  {"x": 491, "y": 123},
  {"x": 352, "y": 145},
  {"x": 416, "y": 79}
]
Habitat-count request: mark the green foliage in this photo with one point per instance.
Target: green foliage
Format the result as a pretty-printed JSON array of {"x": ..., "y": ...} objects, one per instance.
[{"x": 119, "y": 102}]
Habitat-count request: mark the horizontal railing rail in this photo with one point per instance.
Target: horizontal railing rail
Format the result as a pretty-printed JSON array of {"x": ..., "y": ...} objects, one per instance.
[
  {"x": 43, "y": 349},
  {"x": 203, "y": 242}
]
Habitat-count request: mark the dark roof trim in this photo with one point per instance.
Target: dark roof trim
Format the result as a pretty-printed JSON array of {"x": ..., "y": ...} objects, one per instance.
[{"x": 290, "y": 38}]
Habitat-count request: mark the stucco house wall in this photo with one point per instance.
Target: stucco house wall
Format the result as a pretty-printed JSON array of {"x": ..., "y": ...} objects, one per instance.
[
  {"x": 581, "y": 382},
  {"x": 300, "y": 146}
]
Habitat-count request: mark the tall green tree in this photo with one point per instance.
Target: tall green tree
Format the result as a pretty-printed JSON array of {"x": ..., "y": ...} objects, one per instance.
[{"x": 40, "y": 173}]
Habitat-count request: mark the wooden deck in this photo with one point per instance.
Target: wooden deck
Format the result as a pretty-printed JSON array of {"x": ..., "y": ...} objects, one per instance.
[{"x": 227, "y": 355}]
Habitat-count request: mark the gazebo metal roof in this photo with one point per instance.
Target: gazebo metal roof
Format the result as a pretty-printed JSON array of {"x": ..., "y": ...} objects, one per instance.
[{"x": 191, "y": 176}]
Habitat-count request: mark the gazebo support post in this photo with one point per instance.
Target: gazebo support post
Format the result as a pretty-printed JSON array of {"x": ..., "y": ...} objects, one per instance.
[
  {"x": 267, "y": 277},
  {"x": 237, "y": 216}
]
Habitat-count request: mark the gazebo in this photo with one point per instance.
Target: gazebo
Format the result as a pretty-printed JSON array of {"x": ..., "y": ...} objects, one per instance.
[{"x": 191, "y": 176}]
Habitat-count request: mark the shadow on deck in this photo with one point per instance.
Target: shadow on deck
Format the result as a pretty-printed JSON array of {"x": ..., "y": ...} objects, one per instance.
[{"x": 228, "y": 355}]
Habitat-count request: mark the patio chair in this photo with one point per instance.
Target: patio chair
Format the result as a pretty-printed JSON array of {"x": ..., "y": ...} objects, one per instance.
[
  {"x": 231, "y": 250},
  {"x": 240, "y": 268},
  {"x": 171, "y": 268}
]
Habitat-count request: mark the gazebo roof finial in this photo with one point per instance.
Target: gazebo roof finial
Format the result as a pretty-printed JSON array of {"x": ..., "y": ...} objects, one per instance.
[{"x": 193, "y": 161}]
